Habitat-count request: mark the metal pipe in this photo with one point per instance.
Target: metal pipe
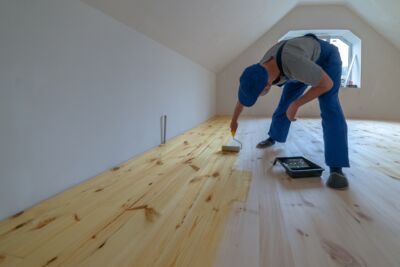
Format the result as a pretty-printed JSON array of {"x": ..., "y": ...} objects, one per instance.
[{"x": 163, "y": 126}]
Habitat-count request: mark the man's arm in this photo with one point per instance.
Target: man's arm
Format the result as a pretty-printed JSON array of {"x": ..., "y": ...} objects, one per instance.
[
  {"x": 324, "y": 86},
  {"x": 235, "y": 116}
]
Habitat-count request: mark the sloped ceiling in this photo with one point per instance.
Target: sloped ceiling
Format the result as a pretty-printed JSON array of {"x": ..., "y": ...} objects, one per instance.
[
  {"x": 213, "y": 32},
  {"x": 383, "y": 15}
]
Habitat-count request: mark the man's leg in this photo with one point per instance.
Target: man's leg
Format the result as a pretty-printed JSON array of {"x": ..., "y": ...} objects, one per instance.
[
  {"x": 280, "y": 124},
  {"x": 334, "y": 129}
]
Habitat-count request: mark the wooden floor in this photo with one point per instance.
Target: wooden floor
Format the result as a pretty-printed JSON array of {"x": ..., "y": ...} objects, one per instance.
[{"x": 188, "y": 204}]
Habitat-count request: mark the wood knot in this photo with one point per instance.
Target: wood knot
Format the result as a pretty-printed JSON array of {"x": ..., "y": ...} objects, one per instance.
[
  {"x": 102, "y": 245},
  {"x": 364, "y": 216},
  {"x": 195, "y": 179},
  {"x": 307, "y": 203},
  {"x": 44, "y": 223},
  {"x": 76, "y": 217},
  {"x": 340, "y": 255},
  {"x": 150, "y": 214},
  {"x": 116, "y": 168},
  {"x": 194, "y": 167},
  {"x": 188, "y": 161},
  {"x": 21, "y": 225},
  {"x": 50, "y": 261},
  {"x": 300, "y": 232},
  {"x": 16, "y": 215}
]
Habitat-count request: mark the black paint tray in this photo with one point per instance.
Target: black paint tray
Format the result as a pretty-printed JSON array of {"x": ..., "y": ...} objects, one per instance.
[{"x": 299, "y": 167}]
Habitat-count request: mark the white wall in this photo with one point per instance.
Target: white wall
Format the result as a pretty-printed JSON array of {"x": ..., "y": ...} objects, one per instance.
[
  {"x": 80, "y": 93},
  {"x": 380, "y": 93}
]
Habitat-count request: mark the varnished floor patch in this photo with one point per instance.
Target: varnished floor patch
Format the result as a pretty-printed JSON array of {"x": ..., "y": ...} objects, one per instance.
[{"x": 167, "y": 207}]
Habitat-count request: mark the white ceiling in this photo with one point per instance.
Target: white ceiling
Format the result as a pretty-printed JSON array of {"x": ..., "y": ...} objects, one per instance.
[
  {"x": 213, "y": 32},
  {"x": 383, "y": 15}
]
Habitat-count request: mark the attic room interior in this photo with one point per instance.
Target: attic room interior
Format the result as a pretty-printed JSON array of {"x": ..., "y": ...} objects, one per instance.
[{"x": 199, "y": 133}]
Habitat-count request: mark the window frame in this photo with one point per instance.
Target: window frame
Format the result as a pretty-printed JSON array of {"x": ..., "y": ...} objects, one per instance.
[{"x": 350, "y": 45}]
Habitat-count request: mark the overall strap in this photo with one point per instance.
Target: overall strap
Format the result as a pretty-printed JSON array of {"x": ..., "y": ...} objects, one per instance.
[{"x": 279, "y": 59}]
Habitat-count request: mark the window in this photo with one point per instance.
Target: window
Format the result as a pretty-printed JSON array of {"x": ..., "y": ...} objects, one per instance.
[
  {"x": 349, "y": 46},
  {"x": 345, "y": 50}
]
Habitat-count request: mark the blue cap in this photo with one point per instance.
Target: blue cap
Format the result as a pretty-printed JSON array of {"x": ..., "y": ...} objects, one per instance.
[{"x": 253, "y": 80}]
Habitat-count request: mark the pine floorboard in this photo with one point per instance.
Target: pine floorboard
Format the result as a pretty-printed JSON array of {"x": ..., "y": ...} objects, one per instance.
[{"x": 187, "y": 204}]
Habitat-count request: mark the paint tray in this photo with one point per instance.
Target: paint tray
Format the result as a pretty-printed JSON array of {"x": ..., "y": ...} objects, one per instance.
[{"x": 299, "y": 167}]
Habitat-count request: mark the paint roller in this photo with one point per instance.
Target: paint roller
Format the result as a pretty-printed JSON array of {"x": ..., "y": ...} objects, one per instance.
[{"x": 232, "y": 147}]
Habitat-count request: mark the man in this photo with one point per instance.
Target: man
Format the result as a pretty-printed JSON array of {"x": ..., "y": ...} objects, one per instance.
[{"x": 297, "y": 63}]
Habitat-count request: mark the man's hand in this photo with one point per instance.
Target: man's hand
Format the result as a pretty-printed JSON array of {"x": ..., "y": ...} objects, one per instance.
[
  {"x": 234, "y": 125},
  {"x": 292, "y": 110}
]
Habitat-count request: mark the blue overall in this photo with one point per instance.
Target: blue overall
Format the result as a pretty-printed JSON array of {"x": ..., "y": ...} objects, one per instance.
[{"x": 333, "y": 120}]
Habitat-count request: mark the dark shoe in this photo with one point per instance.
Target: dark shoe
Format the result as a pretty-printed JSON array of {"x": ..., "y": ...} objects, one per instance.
[
  {"x": 337, "y": 181},
  {"x": 266, "y": 143}
]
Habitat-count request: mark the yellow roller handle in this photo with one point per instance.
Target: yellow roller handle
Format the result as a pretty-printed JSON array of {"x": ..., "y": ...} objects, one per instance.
[{"x": 233, "y": 137}]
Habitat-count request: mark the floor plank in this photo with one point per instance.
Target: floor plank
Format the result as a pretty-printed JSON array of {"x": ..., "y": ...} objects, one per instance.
[
  {"x": 304, "y": 223},
  {"x": 187, "y": 204},
  {"x": 150, "y": 211}
]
